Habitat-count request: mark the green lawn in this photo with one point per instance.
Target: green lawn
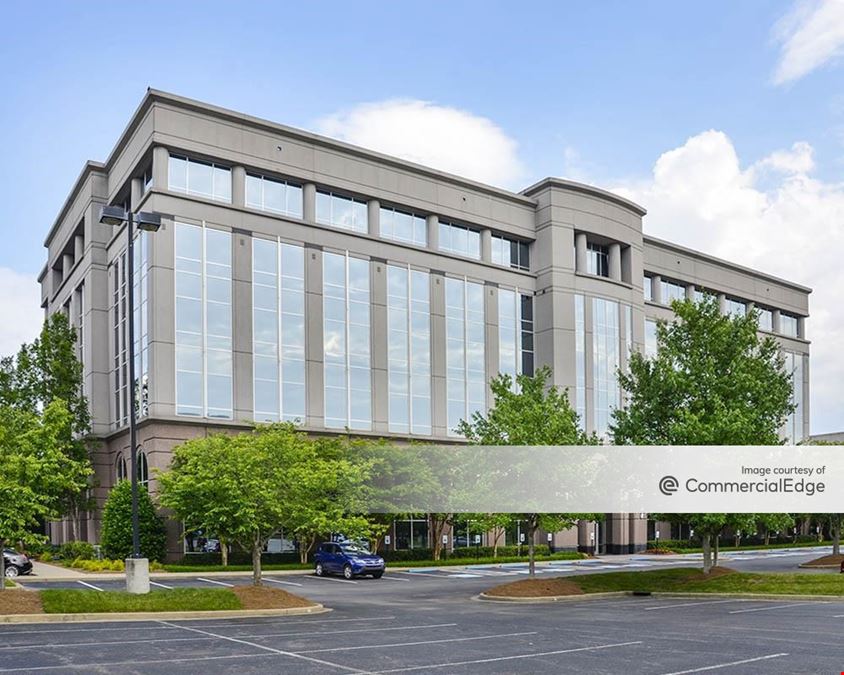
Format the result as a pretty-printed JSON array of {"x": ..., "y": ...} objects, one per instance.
[
  {"x": 751, "y": 547},
  {"x": 62, "y": 601},
  {"x": 685, "y": 580}
]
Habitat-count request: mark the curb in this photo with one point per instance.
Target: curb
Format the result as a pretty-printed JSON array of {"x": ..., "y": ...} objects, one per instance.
[
  {"x": 657, "y": 594},
  {"x": 161, "y": 616},
  {"x": 553, "y": 598},
  {"x": 807, "y": 566}
]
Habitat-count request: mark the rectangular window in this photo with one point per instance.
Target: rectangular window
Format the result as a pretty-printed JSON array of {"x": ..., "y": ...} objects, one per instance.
[
  {"x": 203, "y": 179},
  {"x": 347, "y": 375},
  {"x": 203, "y": 322},
  {"x": 766, "y": 319},
  {"x": 580, "y": 359},
  {"x": 672, "y": 291},
  {"x": 147, "y": 178},
  {"x": 409, "y": 350},
  {"x": 402, "y": 226},
  {"x": 460, "y": 240},
  {"x": 346, "y": 213},
  {"x": 465, "y": 351},
  {"x": 510, "y": 252},
  {"x": 788, "y": 325},
  {"x": 526, "y": 321},
  {"x": 605, "y": 362},
  {"x": 278, "y": 330},
  {"x": 597, "y": 259},
  {"x": 650, "y": 338},
  {"x": 736, "y": 308},
  {"x": 793, "y": 430},
  {"x": 141, "y": 272},
  {"x": 120, "y": 370},
  {"x": 648, "y": 286},
  {"x": 271, "y": 194},
  {"x": 515, "y": 333}
]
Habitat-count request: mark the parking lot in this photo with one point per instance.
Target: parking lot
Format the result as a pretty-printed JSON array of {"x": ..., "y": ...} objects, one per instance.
[{"x": 428, "y": 621}]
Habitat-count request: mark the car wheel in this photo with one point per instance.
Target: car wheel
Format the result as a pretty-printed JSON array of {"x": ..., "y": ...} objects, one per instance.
[
  {"x": 377, "y": 575},
  {"x": 12, "y": 571},
  {"x": 347, "y": 571},
  {"x": 318, "y": 570}
]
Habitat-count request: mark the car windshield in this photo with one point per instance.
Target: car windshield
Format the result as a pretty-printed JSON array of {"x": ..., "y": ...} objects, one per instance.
[
  {"x": 354, "y": 548},
  {"x": 10, "y": 551}
]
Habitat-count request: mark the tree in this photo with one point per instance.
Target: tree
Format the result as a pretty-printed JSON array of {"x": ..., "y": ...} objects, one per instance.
[
  {"x": 495, "y": 523},
  {"x": 35, "y": 471},
  {"x": 530, "y": 413},
  {"x": 713, "y": 381},
  {"x": 116, "y": 534},
  {"x": 48, "y": 370},
  {"x": 774, "y": 522}
]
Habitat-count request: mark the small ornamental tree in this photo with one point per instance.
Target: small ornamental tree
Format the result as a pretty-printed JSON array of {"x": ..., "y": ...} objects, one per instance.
[
  {"x": 116, "y": 534},
  {"x": 530, "y": 413}
]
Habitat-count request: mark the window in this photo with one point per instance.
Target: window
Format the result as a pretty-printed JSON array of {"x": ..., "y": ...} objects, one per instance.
[
  {"x": 788, "y": 325},
  {"x": 401, "y": 226},
  {"x": 409, "y": 350},
  {"x": 460, "y": 240},
  {"x": 605, "y": 362},
  {"x": 526, "y": 321},
  {"x": 597, "y": 259},
  {"x": 270, "y": 194},
  {"x": 79, "y": 325},
  {"x": 141, "y": 272},
  {"x": 347, "y": 376},
  {"x": 278, "y": 331},
  {"x": 702, "y": 295},
  {"x": 465, "y": 355},
  {"x": 650, "y": 338},
  {"x": 120, "y": 471},
  {"x": 672, "y": 291},
  {"x": 203, "y": 322},
  {"x": 147, "y": 178},
  {"x": 343, "y": 212},
  {"x": 580, "y": 359},
  {"x": 120, "y": 362},
  {"x": 736, "y": 308},
  {"x": 766, "y": 319},
  {"x": 793, "y": 429},
  {"x": 143, "y": 469},
  {"x": 411, "y": 533},
  {"x": 648, "y": 286},
  {"x": 203, "y": 179},
  {"x": 515, "y": 333},
  {"x": 510, "y": 252}
]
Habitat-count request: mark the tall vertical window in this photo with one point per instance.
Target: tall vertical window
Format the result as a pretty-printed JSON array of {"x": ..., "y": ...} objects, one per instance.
[
  {"x": 402, "y": 226},
  {"x": 348, "y": 385},
  {"x": 203, "y": 179},
  {"x": 120, "y": 365},
  {"x": 141, "y": 272},
  {"x": 465, "y": 355},
  {"x": 597, "y": 259},
  {"x": 580, "y": 359},
  {"x": 793, "y": 430},
  {"x": 605, "y": 362},
  {"x": 510, "y": 252},
  {"x": 515, "y": 333},
  {"x": 650, "y": 338},
  {"x": 339, "y": 211},
  {"x": 672, "y": 291},
  {"x": 788, "y": 325},
  {"x": 203, "y": 322},
  {"x": 736, "y": 308},
  {"x": 271, "y": 194},
  {"x": 526, "y": 325},
  {"x": 766, "y": 319},
  {"x": 409, "y": 350},
  {"x": 79, "y": 325},
  {"x": 648, "y": 286},
  {"x": 460, "y": 240},
  {"x": 278, "y": 330}
]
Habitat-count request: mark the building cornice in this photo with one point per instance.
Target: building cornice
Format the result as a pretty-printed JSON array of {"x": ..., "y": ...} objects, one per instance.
[{"x": 583, "y": 188}]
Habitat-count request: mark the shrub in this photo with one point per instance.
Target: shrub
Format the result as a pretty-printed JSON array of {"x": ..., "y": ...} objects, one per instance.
[
  {"x": 46, "y": 557},
  {"x": 116, "y": 535},
  {"x": 108, "y": 565},
  {"x": 71, "y": 550}
]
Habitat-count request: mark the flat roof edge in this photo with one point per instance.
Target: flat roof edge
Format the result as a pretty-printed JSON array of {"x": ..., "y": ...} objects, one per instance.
[
  {"x": 88, "y": 168},
  {"x": 584, "y": 188}
]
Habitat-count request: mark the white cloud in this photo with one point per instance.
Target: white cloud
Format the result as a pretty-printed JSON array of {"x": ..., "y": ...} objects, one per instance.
[
  {"x": 812, "y": 34},
  {"x": 20, "y": 300},
  {"x": 441, "y": 137},
  {"x": 792, "y": 226}
]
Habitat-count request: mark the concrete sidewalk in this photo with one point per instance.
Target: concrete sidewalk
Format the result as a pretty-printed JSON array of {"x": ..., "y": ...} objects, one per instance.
[{"x": 46, "y": 571}]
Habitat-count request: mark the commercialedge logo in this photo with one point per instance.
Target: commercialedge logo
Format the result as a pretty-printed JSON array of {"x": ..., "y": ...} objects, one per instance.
[{"x": 668, "y": 485}]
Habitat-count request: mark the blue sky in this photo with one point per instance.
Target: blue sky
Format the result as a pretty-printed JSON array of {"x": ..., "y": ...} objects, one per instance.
[{"x": 601, "y": 92}]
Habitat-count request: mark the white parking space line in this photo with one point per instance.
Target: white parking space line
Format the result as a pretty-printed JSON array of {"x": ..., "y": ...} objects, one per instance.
[
  {"x": 279, "y": 581},
  {"x": 504, "y": 658},
  {"x": 265, "y": 648},
  {"x": 727, "y": 665},
  {"x": 426, "y": 574},
  {"x": 767, "y": 609},
  {"x": 339, "y": 581},
  {"x": 390, "y": 577},
  {"x": 155, "y": 583},
  {"x": 211, "y": 581},
  {"x": 690, "y": 604},
  {"x": 85, "y": 583},
  {"x": 318, "y": 634},
  {"x": 89, "y": 667},
  {"x": 413, "y": 644}
]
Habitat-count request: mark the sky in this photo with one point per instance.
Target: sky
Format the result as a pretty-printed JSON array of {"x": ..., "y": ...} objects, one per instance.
[{"x": 725, "y": 119}]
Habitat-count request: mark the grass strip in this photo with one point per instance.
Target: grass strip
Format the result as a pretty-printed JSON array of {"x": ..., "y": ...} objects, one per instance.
[{"x": 66, "y": 601}]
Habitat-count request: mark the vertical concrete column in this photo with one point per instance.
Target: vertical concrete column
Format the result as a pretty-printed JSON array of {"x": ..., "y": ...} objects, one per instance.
[
  {"x": 580, "y": 264},
  {"x": 585, "y": 530},
  {"x": 314, "y": 385},
  {"x": 309, "y": 202},
  {"x": 373, "y": 217},
  {"x": 690, "y": 292},
  {"x": 490, "y": 335},
  {"x": 242, "y": 324},
  {"x": 722, "y": 303},
  {"x": 486, "y": 245},
  {"x": 160, "y": 167},
  {"x": 615, "y": 261},
  {"x": 78, "y": 246},
  {"x": 162, "y": 322},
  {"x": 656, "y": 289},
  {"x": 433, "y": 226},
  {"x": 238, "y": 186},
  {"x": 136, "y": 193},
  {"x": 776, "y": 325},
  {"x": 67, "y": 264},
  {"x": 378, "y": 344},
  {"x": 801, "y": 327},
  {"x": 638, "y": 532},
  {"x": 439, "y": 419}
]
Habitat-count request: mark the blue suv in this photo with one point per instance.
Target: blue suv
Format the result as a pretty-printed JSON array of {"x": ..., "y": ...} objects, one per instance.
[{"x": 348, "y": 559}]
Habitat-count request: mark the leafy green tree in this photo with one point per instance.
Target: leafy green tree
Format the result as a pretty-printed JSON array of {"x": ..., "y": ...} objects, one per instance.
[
  {"x": 773, "y": 522},
  {"x": 116, "y": 534},
  {"x": 35, "y": 471},
  {"x": 43, "y": 371},
  {"x": 494, "y": 523},
  {"x": 713, "y": 381},
  {"x": 530, "y": 413}
]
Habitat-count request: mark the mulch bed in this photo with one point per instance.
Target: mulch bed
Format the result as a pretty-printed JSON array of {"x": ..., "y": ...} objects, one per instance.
[
  {"x": 19, "y": 601},
  {"x": 536, "y": 588},
  {"x": 261, "y": 597},
  {"x": 825, "y": 560},
  {"x": 659, "y": 551}
]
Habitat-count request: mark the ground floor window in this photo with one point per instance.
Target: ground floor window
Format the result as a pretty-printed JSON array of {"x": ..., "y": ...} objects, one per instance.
[{"x": 411, "y": 533}]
